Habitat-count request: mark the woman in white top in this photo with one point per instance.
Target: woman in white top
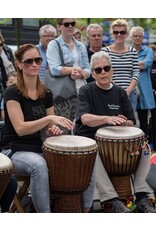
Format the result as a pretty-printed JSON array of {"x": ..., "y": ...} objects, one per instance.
[{"x": 76, "y": 63}]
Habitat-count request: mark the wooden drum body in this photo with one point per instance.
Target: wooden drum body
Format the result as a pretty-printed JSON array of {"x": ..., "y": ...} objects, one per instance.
[
  {"x": 70, "y": 160},
  {"x": 120, "y": 149},
  {"x": 6, "y": 170}
]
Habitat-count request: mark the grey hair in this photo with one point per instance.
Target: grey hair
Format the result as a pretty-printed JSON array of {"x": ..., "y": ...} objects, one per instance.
[
  {"x": 95, "y": 26},
  {"x": 99, "y": 55},
  {"x": 136, "y": 29},
  {"x": 47, "y": 28}
]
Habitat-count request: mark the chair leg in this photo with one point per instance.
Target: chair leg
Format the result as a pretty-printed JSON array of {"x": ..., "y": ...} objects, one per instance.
[{"x": 17, "y": 205}]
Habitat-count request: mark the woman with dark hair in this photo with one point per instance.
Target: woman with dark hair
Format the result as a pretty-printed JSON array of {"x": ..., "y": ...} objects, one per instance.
[{"x": 29, "y": 118}]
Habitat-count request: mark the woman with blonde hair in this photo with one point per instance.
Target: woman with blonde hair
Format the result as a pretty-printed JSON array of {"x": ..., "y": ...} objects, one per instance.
[
  {"x": 124, "y": 60},
  {"x": 145, "y": 98}
]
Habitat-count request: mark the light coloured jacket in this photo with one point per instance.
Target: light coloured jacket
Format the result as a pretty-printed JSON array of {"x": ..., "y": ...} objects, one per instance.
[
  {"x": 54, "y": 60},
  {"x": 146, "y": 98}
]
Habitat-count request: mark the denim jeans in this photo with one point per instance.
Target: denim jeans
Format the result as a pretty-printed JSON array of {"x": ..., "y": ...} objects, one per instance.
[{"x": 34, "y": 165}]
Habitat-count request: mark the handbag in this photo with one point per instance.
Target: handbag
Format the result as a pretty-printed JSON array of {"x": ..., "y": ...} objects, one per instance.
[{"x": 62, "y": 87}]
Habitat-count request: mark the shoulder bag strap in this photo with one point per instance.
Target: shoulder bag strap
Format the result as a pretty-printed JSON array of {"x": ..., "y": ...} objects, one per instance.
[{"x": 60, "y": 52}]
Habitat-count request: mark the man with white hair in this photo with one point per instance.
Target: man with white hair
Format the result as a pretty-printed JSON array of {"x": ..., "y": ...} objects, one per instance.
[
  {"x": 46, "y": 33},
  {"x": 95, "y": 41}
]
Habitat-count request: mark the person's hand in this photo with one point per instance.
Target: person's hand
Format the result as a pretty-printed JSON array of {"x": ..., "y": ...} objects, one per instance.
[
  {"x": 79, "y": 72},
  {"x": 117, "y": 120},
  {"x": 141, "y": 65},
  {"x": 54, "y": 130},
  {"x": 75, "y": 75},
  {"x": 62, "y": 121}
]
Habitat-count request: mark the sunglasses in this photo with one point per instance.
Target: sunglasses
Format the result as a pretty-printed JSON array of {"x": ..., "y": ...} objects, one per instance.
[
  {"x": 67, "y": 24},
  {"x": 29, "y": 62},
  {"x": 1, "y": 44},
  {"x": 106, "y": 68},
  {"x": 122, "y": 32}
]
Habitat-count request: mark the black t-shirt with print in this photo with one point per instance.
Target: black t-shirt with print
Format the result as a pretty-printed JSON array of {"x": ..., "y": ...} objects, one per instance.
[
  {"x": 97, "y": 101},
  {"x": 32, "y": 110}
]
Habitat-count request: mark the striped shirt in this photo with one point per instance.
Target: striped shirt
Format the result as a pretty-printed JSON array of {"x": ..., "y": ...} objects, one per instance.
[{"x": 125, "y": 66}]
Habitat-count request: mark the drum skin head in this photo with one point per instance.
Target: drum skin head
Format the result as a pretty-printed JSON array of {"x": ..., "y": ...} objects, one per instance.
[
  {"x": 119, "y": 132},
  {"x": 5, "y": 162},
  {"x": 70, "y": 142}
]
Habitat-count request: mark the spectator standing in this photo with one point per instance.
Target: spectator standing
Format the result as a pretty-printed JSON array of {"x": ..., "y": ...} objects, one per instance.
[
  {"x": 76, "y": 63},
  {"x": 124, "y": 60},
  {"x": 78, "y": 35},
  {"x": 146, "y": 100},
  {"x": 152, "y": 130},
  {"x": 6, "y": 64},
  {"x": 11, "y": 78},
  {"x": 95, "y": 41},
  {"x": 46, "y": 34}
]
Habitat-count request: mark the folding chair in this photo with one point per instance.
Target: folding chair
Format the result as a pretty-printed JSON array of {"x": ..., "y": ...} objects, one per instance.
[{"x": 23, "y": 189}]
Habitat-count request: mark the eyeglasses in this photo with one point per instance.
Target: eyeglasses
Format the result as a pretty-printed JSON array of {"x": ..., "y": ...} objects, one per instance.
[
  {"x": 67, "y": 24},
  {"x": 122, "y": 32},
  {"x": 106, "y": 68},
  {"x": 137, "y": 36},
  {"x": 1, "y": 44},
  {"x": 29, "y": 62}
]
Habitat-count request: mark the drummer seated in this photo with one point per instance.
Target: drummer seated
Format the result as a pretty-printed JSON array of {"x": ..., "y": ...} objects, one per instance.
[{"x": 102, "y": 103}]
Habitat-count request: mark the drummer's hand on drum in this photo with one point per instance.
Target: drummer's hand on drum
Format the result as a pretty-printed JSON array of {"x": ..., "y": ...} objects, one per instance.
[
  {"x": 117, "y": 120},
  {"x": 55, "y": 130},
  {"x": 62, "y": 121}
]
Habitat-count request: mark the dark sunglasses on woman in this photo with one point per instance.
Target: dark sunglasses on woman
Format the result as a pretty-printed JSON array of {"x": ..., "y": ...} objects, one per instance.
[
  {"x": 67, "y": 24},
  {"x": 106, "y": 68},
  {"x": 122, "y": 32},
  {"x": 28, "y": 62}
]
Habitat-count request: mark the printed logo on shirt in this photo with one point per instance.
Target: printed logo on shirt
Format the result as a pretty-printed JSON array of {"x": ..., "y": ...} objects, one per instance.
[
  {"x": 114, "y": 107},
  {"x": 38, "y": 110}
]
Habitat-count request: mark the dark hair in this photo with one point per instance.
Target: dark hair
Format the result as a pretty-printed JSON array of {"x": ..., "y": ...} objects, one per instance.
[
  {"x": 41, "y": 89},
  {"x": 59, "y": 20}
]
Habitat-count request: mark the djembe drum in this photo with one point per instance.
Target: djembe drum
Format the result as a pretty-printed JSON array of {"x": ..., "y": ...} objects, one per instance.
[
  {"x": 6, "y": 170},
  {"x": 120, "y": 149},
  {"x": 70, "y": 160}
]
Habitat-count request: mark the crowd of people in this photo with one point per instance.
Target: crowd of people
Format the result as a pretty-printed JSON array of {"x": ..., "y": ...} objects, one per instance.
[{"x": 115, "y": 86}]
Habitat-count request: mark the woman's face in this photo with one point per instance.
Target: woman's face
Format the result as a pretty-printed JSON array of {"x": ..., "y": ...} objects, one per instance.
[
  {"x": 137, "y": 38},
  {"x": 104, "y": 76},
  {"x": 35, "y": 61},
  {"x": 67, "y": 27},
  {"x": 119, "y": 34}
]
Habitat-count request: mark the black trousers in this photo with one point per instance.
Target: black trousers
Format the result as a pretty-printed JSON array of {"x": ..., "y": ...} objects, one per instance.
[
  {"x": 143, "y": 119},
  {"x": 8, "y": 195},
  {"x": 153, "y": 128}
]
